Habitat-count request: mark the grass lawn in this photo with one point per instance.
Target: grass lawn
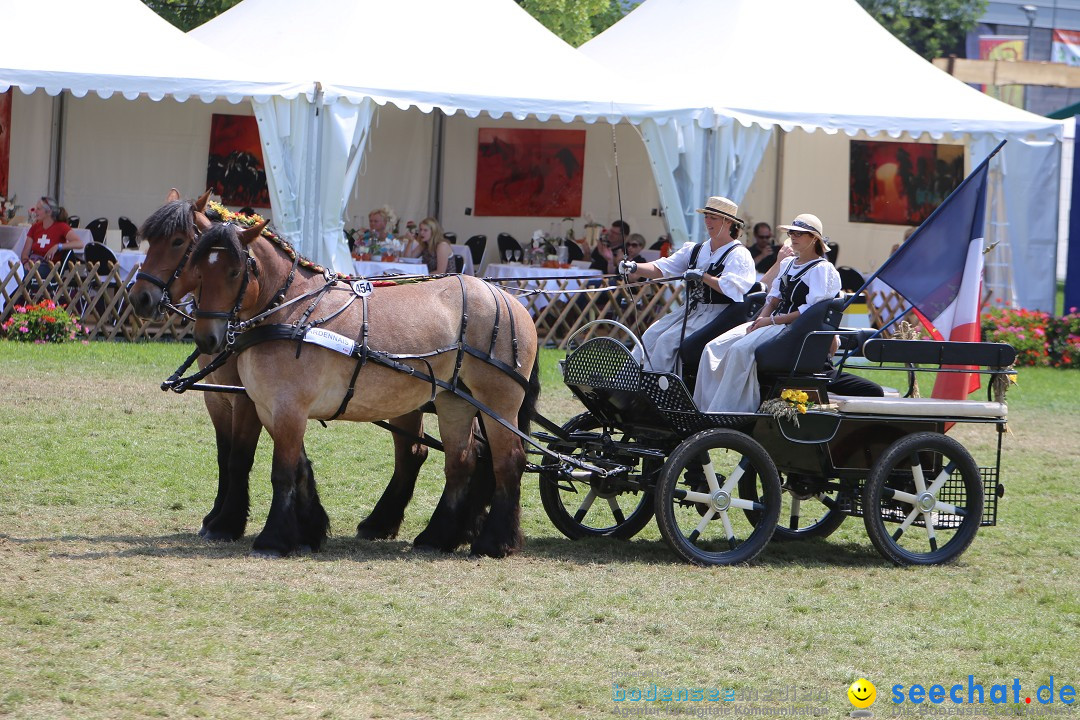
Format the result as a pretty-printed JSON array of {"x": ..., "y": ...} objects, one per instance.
[{"x": 112, "y": 607}]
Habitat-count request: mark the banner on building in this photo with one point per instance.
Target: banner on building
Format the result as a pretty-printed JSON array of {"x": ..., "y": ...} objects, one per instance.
[
  {"x": 1003, "y": 47},
  {"x": 1066, "y": 47}
]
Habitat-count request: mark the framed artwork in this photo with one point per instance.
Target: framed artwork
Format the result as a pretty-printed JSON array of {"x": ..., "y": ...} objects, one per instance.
[
  {"x": 234, "y": 168},
  {"x": 5, "y": 141},
  {"x": 901, "y": 183},
  {"x": 529, "y": 172}
]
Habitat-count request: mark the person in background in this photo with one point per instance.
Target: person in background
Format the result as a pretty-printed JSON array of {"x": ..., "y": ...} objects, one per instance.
[
  {"x": 379, "y": 230},
  {"x": 608, "y": 252},
  {"x": 764, "y": 250},
  {"x": 49, "y": 234},
  {"x": 634, "y": 245},
  {"x": 434, "y": 248},
  {"x": 728, "y": 379},
  {"x": 719, "y": 271},
  {"x": 246, "y": 210},
  {"x": 907, "y": 233}
]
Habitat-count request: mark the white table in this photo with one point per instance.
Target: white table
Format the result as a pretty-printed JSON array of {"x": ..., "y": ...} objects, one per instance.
[
  {"x": 7, "y": 260},
  {"x": 576, "y": 278},
  {"x": 11, "y": 236},
  {"x": 371, "y": 268},
  {"x": 129, "y": 261}
]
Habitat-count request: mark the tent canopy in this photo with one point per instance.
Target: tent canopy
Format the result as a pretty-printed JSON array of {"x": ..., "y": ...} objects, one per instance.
[
  {"x": 478, "y": 56},
  {"x": 825, "y": 64},
  {"x": 122, "y": 46}
]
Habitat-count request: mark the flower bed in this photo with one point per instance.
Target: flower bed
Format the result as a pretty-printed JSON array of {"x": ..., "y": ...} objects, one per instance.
[
  {"x": 40, "y": 323},
  {"x": 1040, "y": 339}
]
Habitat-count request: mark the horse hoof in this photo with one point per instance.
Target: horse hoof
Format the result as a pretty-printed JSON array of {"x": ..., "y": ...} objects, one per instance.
[
  {"x": 365, "y": 532},
  {"x": 266, "y": 554},
  {"x": 495, "y": 550},
  {"x": 218, "y": 535}
]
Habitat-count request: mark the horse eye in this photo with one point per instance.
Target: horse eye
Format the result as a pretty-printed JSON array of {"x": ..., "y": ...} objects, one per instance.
[
  {"x": 234, "y": 273},
  {"x": 178, "y": 241}
]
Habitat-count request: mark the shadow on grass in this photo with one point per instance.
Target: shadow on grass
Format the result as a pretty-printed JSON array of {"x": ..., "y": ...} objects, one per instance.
[{"x": 589, "y": 551}]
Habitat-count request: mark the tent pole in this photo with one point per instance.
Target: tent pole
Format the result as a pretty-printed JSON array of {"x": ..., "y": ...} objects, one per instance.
[
  {"x": 438, "y": 138},
  {"x": 778, "y": 191},
  {"x": 56, "y": 146}
]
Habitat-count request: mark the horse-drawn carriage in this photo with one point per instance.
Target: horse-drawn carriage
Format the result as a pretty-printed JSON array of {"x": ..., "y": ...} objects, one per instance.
[{"x": 720, "y": 485}]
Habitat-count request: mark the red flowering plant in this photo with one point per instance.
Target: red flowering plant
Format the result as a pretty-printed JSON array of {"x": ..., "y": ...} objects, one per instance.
[
  {"x": 1025, "y": 330},
  {"x": 41, "y": 323},
  {"x": 1065, "y": 342}
]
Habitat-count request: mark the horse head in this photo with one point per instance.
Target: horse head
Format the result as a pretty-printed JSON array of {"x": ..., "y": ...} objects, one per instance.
[
  {"x": 170, "y": 232},
  {"x": 226, "y": 281}
]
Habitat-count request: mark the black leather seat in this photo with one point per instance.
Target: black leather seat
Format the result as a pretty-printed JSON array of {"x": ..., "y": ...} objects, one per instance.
[
  {"x": 507, "y": 243},
  {"x": 128, "y": 233},
  {"x": 476, "y": 245},
  {"x": 98, "y": 228}
]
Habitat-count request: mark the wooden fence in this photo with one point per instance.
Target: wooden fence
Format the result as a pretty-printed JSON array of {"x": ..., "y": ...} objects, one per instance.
[{"x": 99, "y": 298}]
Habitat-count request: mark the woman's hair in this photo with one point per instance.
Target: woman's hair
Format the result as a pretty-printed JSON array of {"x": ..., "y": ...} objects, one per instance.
[
  {"x": 53, "y": 207},
  {"x": 436, "y": 232}
]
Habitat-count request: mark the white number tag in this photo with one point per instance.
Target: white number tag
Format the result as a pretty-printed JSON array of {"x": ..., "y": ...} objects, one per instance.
[
  {"x": 362, "y": 288},
  {"x": 330, "y": 340}
]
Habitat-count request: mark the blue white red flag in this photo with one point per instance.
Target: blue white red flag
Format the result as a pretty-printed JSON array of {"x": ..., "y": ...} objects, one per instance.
[{"x": 939, "y": 271}]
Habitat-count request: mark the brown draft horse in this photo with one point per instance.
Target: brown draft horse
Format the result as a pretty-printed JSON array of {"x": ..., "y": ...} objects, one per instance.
[
  {"x": 166, "y": 274},
  {"x": 399, "y": 346}
]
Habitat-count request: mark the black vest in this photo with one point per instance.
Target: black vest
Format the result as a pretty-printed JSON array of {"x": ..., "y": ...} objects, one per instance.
[
  {"x": 702, "y": 293},
  {"x": 793, "y": 290}
]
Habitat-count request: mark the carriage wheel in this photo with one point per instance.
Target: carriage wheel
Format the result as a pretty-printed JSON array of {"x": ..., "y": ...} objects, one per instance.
[
  {"x": 590, "y": 509},
  {"x": 924, "y": 479},
  {"x": 702, "y": 500},
  {"x": 805, "y": 511}
]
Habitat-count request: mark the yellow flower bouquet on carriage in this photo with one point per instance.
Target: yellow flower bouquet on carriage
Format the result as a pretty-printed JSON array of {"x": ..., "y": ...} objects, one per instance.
[{"x": 789, "y": 406}]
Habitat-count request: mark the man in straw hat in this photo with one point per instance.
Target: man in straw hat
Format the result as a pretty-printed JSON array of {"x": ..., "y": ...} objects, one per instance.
[
  {"x": 728, "y": 380},
  {"x": 719, "y": 271}
]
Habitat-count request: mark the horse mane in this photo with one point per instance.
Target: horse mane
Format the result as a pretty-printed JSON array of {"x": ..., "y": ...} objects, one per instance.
[
  {"x": 220, "y": 236},
  {"x": 172, "y": 218}
]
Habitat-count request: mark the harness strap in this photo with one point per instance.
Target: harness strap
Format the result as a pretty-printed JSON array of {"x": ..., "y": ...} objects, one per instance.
[
  {"x": 360, "y": 361},
  {"x": 461, "y": 333}
]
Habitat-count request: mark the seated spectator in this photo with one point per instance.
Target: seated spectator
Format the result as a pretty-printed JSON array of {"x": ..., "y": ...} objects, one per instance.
[
  {"x": 603, "y": 255},
  {"x": 435, "y": 250},
  {"x": 634, "y": 245},
  {"x": 49, "y": 234},
  {"x": 728, "y": 379},
  {"x": 764, "y": 250}
]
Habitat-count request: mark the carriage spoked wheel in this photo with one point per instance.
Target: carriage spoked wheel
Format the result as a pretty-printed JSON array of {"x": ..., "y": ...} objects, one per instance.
[
  {"x": 705, "y": 491},
  {"x": 923, "y": 502},
  {"x": 806, "y": 511},
  {"x": 599, "y": 508}
]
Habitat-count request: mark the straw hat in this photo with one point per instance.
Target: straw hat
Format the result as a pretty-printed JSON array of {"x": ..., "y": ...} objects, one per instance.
[
  {"x": 721, "y": 206},
  {"x": 811, "y": 224}
]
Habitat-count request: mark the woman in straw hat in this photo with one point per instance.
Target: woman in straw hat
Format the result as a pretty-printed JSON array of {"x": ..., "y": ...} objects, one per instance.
[
  {"x": 719, "y": 272},
  {"x": 728, "y": 380}
]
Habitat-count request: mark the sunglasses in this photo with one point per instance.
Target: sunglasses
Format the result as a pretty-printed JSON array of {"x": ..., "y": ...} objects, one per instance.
[
  {"x": 796, "y": 233},
  {"x": 630, "y": 245}
]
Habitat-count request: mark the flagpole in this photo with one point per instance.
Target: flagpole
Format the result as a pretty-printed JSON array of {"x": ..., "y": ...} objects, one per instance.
[{"x": 963, "y": 183}]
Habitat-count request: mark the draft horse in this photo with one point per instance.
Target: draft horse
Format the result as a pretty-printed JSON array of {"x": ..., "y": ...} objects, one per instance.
[
  {"x": 166, "y": 275},
  {"x": 347, "y": 350}
]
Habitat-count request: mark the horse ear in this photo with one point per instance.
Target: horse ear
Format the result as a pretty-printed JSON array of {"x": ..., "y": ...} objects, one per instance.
[
  {"x": 173, "y": 195},
  {"x": 247, "y": 235},
  {"x": 200, "y": 202}
]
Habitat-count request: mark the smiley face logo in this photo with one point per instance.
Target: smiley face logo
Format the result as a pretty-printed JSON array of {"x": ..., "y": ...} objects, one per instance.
[{"x": 862, "y": 693}]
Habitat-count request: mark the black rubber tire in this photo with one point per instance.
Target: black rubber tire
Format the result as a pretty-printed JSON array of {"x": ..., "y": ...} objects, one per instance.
[
  {"x": 826, "y": 519},
  {"x": 552, "y": 497},
  {"x": 707, "y": 542},
  {"x": 915, "y": 546}
]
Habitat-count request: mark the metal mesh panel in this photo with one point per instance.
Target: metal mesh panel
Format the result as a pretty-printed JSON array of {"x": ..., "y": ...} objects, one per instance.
[
  {"x": 953, "y": 493},
  {"x": 602, "y": 363},
  {"x": 669, "y": 394}
]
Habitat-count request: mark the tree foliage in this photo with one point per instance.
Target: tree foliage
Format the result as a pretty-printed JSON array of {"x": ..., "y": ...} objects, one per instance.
[
  {"x": 189, "y": 14},
  {"x": 575, "y": 21},
  {"x": 932, "y": 28}
]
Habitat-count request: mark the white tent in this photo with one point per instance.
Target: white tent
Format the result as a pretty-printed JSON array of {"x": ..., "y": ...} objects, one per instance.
[
  {"x": 483, "y": 56},
  {"x": 823, "y": 65},
  {"x": 122, "y": 46}
]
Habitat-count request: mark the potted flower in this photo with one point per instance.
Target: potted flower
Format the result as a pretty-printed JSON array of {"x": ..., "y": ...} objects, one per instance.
[{"x": 8, "y": 208}]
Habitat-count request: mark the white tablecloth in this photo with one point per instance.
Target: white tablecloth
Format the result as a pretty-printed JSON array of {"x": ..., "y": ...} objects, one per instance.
[
  {"x": 370, "y": 268},
  {"x": 516, "y": 270},
  {"x": 129, "y": 261},
  {"x": 7, "y": 259},
  {"x": 11, "y": 236}
]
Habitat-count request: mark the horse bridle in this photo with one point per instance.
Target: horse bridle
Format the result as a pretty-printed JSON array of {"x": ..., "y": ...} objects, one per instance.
[{"x": 166, "y": 301}]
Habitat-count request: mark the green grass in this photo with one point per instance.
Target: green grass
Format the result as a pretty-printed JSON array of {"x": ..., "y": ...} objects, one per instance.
[{"x": 112, "y": 607}]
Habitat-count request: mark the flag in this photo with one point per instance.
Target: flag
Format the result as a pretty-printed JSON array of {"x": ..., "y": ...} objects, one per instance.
[
  {"x": 1065, "y": 47},
  {"x": 939, "y": 271}
]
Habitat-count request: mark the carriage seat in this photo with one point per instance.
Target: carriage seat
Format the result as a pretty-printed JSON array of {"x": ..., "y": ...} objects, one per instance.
[
  {"x": 795, "y": 350},
  {"x": 919, "y": 407}
]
